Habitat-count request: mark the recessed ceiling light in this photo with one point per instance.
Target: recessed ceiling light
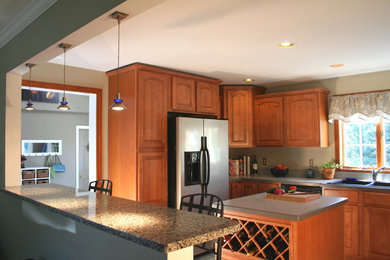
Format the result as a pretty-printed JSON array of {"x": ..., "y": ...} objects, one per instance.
[
  {"x": 337, "y": 65},
  {"x": 286, "y": 44},
  {"x": 249, "y": 80}
]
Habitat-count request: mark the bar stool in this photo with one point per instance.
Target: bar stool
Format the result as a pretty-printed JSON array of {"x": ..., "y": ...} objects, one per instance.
[
  {"x": 208, "y": 204},
  {"x": 101, "y": 186}
]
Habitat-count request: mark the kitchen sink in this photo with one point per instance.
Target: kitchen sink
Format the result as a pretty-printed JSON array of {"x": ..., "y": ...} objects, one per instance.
[
  {"x": 351, "y": 182},
  {"x": 378, "y": 183}
]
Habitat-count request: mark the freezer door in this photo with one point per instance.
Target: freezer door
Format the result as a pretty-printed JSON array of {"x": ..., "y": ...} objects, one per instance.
[{"x": 188, "y": 133}]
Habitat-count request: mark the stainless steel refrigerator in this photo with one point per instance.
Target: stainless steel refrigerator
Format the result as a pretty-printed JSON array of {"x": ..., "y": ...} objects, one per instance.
[{"x": 184, "y": 162}]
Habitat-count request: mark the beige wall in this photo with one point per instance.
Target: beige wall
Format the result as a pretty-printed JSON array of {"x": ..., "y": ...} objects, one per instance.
[
  {"x": 298, "y": 158},
  {"x": 50, "y": 72},
  {"x": 12, "y": 122}
]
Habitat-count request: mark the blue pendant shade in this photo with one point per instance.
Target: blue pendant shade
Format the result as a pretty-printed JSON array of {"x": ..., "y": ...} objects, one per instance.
[
  {"x": 118, "y": 102},
  {"x": 29, "y": 105}
]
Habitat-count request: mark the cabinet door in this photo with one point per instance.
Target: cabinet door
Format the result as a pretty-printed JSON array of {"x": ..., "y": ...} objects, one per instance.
[
  {"x": 269, "y": 121},
  {"x": 152, "y": 178},
  {"x": 207, "y": 98},
  {"x": 263, "y": 187},
  {"x": 377, "y": 233},
  {"x": 351, "y": 230},
  {"x": 152, "y": 111},
  {"x": 183, "y": 94},
  {"x": 238, "y": 104},
  {"x": 236, "y": 190},
  {"x": 301, "y": 120}
]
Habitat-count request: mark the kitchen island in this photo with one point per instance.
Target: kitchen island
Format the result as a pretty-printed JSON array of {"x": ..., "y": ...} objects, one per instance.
[
  {"x": 50, "y": 221},
  {"x": 277, "y": 229}
]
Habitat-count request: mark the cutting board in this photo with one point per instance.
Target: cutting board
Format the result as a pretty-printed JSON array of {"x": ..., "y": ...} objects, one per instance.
[{"x": 302, "y": 197}]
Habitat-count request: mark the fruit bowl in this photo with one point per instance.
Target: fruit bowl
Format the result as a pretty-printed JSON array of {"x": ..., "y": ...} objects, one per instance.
[{"x": 279, "y": 172}]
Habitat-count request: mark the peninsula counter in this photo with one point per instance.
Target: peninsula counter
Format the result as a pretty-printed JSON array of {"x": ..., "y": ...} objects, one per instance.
[{"x": 50, "y": 221}]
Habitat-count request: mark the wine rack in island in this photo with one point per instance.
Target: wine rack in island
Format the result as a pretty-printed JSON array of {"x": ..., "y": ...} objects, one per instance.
[{"x": 257, "y": 240}]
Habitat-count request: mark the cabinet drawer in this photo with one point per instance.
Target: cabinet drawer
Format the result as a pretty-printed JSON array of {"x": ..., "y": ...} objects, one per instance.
[
  {"x": 377, "y": 199},
  {"x": 28, "y": 182},
  {"x": 352, "y": 195},
  {"x": 42, "y": 173},
  {"x": 42, "y": 181},
  {"x": 28, "y": 174}
]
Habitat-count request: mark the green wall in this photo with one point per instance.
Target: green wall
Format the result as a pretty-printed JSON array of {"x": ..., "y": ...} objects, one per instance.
[{"x": 61, "y": 19}]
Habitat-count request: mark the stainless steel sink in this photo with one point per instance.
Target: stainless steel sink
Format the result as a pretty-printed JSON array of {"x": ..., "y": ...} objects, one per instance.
[{"x": 378, "y": 183}]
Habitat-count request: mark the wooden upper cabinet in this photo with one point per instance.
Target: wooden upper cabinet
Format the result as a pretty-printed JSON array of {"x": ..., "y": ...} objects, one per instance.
[
  {"x": 152, "y": 178},
  {"x": 207, "y": 97},
  {"x": 238, "y": 109},
  {"x": 269, "y": 121},
  {"x": 152, "y": 110},
  {"x": 295, "y": 118},
  {"x": 301, "y": 120},
  {"x": 183, "y": 94}
]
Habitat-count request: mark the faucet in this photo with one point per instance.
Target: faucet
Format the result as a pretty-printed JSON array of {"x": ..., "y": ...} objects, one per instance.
[{"x": 375, "y": 173}]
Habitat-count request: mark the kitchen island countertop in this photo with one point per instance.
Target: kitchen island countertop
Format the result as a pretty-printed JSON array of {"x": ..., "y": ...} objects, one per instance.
[
  {"x": 159, "y": 228},
  {"x": 259, "y": 205}
]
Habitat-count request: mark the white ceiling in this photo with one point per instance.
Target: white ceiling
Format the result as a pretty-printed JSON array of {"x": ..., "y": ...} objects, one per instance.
[{"x": 234, "y": 39}]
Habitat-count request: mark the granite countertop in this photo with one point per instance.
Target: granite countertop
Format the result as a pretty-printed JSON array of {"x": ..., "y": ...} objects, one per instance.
[
  {"x": 160, "y": 228},
  {"x": 259, "y": 205},
  {"x": 310, "y": 182}
]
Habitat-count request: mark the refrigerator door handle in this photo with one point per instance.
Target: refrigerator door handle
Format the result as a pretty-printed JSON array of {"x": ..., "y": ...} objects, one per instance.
[{"x": 204, "y": 165}]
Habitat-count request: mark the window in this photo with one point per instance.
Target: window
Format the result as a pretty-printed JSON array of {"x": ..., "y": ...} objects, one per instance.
[{"x": 362, "y": 144}]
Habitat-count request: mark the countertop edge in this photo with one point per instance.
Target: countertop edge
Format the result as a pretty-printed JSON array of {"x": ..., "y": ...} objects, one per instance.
[
  {"x": 136, "y": 239},
  {"x": 285, "y": 216}
]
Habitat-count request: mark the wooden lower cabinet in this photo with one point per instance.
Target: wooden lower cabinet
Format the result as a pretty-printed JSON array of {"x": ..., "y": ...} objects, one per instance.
[
  {"x": 152, "y": 178},
  {"x": 245, "y": 188},
  {"x": 376, "y": 233},
  {"x": 319, "y": 237},
  {"x": 376, "y": 225},
  {"x": 351, "y": 230},
  {"x": 366, "y": 223},
  {"x": 351, "y": 218}
]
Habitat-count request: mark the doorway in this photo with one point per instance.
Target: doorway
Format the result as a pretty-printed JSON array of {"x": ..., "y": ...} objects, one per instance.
[{"x": 83, "y": 159}]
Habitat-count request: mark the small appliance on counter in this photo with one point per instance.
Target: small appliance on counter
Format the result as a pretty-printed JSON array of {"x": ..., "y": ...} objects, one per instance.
[{"x": 309, "y": 173}]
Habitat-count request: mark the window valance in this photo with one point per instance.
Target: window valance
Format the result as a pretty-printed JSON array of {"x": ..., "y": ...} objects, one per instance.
[{"x": 362, "y": 106}]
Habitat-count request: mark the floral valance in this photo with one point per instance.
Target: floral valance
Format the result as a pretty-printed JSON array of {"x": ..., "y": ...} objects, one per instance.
[{"x": 362, "y": 106}]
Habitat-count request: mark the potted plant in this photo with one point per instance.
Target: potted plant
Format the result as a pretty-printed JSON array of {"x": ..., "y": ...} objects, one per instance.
[{"x": 328, "y": 169}]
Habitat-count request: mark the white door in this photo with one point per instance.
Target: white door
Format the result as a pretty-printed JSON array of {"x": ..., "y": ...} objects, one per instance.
[{"x": 82, "y": 157}]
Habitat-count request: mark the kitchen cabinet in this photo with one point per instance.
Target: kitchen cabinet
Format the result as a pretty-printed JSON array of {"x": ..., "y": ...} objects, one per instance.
[
  {"x": 294, "y": 118},
  {"x": 137, "y": 131},
  {"x": 238, "y": 109},
  {"x": 376, "y": 225},
  {"x": 183, "y": 94},
  {"x": 194, "y": 94},
  {"x": 245, "y": 188},
  {"x": 351, "y": 219},
  {"x": 269, "y": 122},
  {"x": 152, "y": 110},
  {"x": 152, "y": 178},
  {"x": 137, "y": 136}
]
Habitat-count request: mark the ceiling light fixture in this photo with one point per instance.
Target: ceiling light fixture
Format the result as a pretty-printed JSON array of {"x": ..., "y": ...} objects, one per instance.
[
  {"x": 29, "y": 105},
  {"x": 338, "y": 65},
  {"x": 286, "y": 44},
  {"x": 249, "y": 80},
  {"x": 118, "y": 102},
  {"x": 64, "y": 104}
]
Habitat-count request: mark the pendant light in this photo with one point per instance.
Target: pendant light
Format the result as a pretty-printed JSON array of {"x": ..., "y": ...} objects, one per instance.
[
  {"x": 64, "y": 104},
  {"x": 29, "y": 105},
  {"x": 118, "y": 102}
]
